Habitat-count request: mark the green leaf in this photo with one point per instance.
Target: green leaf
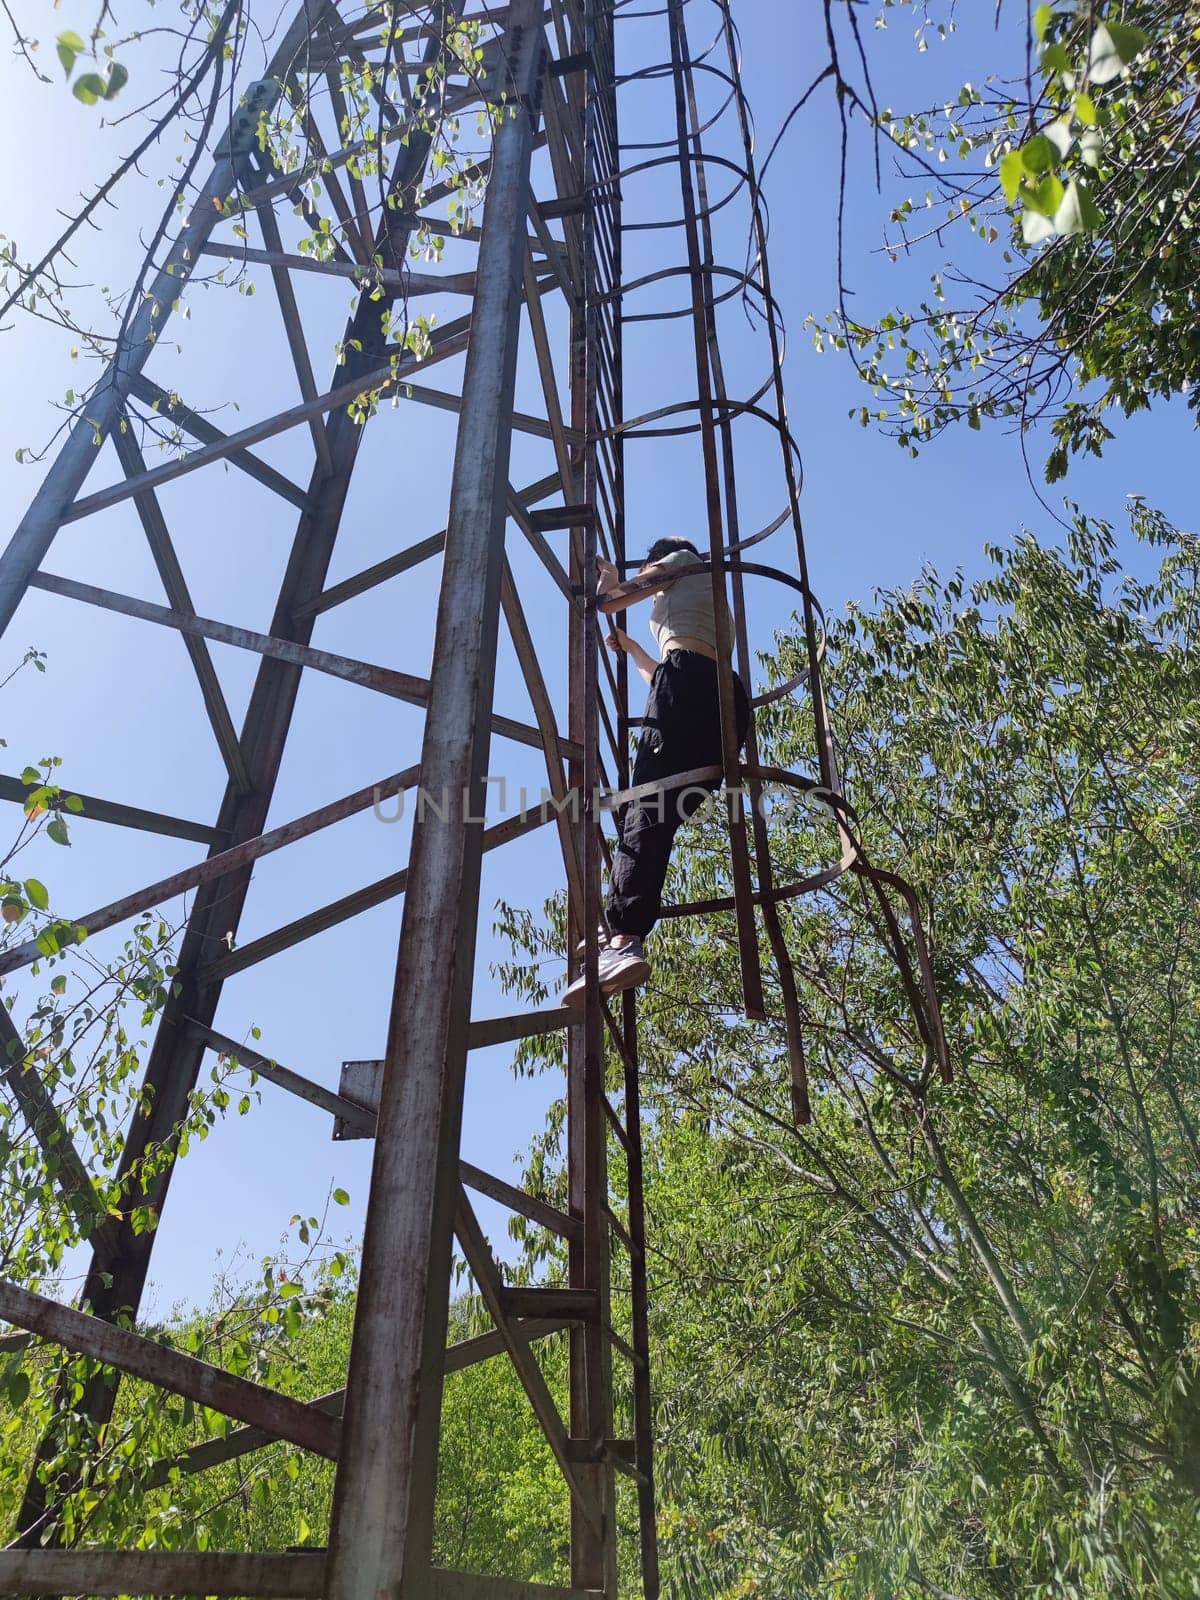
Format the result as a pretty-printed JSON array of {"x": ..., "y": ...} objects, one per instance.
[
  {"x": 118, "y": 77},
  {"x": 1060, "y": 136},
  {"x": 66, "y": 54},
  {"x": 1039, "y": 155},
  {"x": 1011, "y": 170},
  {"x": 1085, "y": 109},
  {"x": 1077, "y": 212},
  {"x": 57, "y": 830},
  {"x": 1090, "y": 146},
  {"x": 1035, "y": 226},
  {"x": 89, "y": 88},
  {"x": 1045, "y": 197},
  {"x": 1113, "y": 46},
  {"x": 340, "y": 1197},
  {"x": 1056, "y": 59},
  {"x": 37, "y": 892},
  {"x": 72, "y": 41},
  {"x": 1128, "y": 40},
  {"x": 1042, "y": 18}
]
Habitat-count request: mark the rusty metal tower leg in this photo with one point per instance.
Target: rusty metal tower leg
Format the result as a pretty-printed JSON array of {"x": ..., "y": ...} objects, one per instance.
[
  {"x": 382, "y": 1535},
  {"x": 593, "y": 1542}
]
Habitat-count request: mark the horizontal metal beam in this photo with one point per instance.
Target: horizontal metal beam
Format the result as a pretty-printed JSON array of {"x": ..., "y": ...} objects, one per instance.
[
  {"x": 536, "y": 427},
  {"x": 384, "y": 680},
  {"x": 470, "y": 1352},
  {"x": 371, "y": 577},
  {"x": 401, "y": 283},
  {"x": 172, "y": 409},
  {"x": 210, "y": 1386},
  {"x": 485, "y": 1032},
  {"x": 353, "y": 904},
  {"x": 359, "y": 1119},
  {"x": 400, "y": 685},
  {"x": 387, "y": 378},
  {"x": 503, "y": 1030},
  {"x": 245, "y": 1441},
  {"x": 392, "y": 566},
  {"x": 577, "y": 1305},
  {"x": 102, "y": 1573},
  {"x": 231, "y": 860},
  {"x": 95, "y": 810},
  {"x": 525, "y": 1205},
  {"x": 235, "y": 1444},
  {"x": 356, "y": 1120}
]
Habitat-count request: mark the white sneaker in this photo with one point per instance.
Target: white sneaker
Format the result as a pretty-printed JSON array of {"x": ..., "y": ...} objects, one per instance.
[
  {"x": 602, "y": 938},
  {"x": 620, "y": 967}
]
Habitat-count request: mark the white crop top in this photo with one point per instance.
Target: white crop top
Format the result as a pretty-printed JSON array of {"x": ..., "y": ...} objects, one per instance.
[{"x": 685, "y": 610}]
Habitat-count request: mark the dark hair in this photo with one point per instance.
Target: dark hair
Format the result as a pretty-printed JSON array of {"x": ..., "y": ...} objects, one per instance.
[{"x": 666, "y": 547}]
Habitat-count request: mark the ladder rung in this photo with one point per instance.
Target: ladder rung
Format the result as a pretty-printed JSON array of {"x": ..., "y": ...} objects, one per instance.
[
  {"x": 551, "y": 517},
  {"x": 582, "y": 61},
  {"x": 575, "y": 1305},
  {"x": 569, "y": 206}
]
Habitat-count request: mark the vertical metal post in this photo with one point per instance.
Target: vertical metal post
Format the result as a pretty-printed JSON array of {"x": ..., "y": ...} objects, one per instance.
[
  {"x": 826, "y": 755},
  {"x": 382, "y": 1532},
  {"x": 784, "y": 970},
  {"x": 593, "y": 1553},
  {"x": 752, "y": 994},
  {"x": 603, "y": 129}
]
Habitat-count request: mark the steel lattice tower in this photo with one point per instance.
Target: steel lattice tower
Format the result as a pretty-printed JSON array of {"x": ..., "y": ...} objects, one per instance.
[{"x": 551, "y": 226}]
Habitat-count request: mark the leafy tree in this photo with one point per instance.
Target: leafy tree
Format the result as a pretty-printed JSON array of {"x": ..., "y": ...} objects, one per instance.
[
  {"x": 944, "y": 1342},
  {"x": 316, "y": 128},
  {"x": 1082, "y": 176},
  {"x": 502, "y": 1507}
]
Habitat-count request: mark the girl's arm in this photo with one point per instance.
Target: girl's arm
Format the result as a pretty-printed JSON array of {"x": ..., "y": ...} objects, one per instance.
[
  {"x": 613, "y": 595},
  {"x": 642, "y": 659}
]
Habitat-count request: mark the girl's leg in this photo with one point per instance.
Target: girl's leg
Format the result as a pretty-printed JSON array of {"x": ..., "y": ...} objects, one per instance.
[{"x": 677, "y": 737}]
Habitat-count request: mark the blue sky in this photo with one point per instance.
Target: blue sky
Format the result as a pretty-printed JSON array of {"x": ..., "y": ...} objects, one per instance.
[{"x": 118, "y": 702}]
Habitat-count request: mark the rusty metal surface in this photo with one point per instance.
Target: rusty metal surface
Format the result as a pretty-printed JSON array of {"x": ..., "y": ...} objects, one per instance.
[
  {"x": 381, "y": 1538},
  {"x": 278, "y": 1414},
  {"x": 25, "y": 1573}
]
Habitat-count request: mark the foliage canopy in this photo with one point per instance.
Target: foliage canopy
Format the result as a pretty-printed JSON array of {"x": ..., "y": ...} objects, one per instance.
[{"x": 1082, "y": 173}]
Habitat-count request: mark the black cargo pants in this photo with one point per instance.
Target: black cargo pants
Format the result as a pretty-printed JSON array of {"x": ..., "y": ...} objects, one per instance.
[{"x": 682, "y": 730}]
